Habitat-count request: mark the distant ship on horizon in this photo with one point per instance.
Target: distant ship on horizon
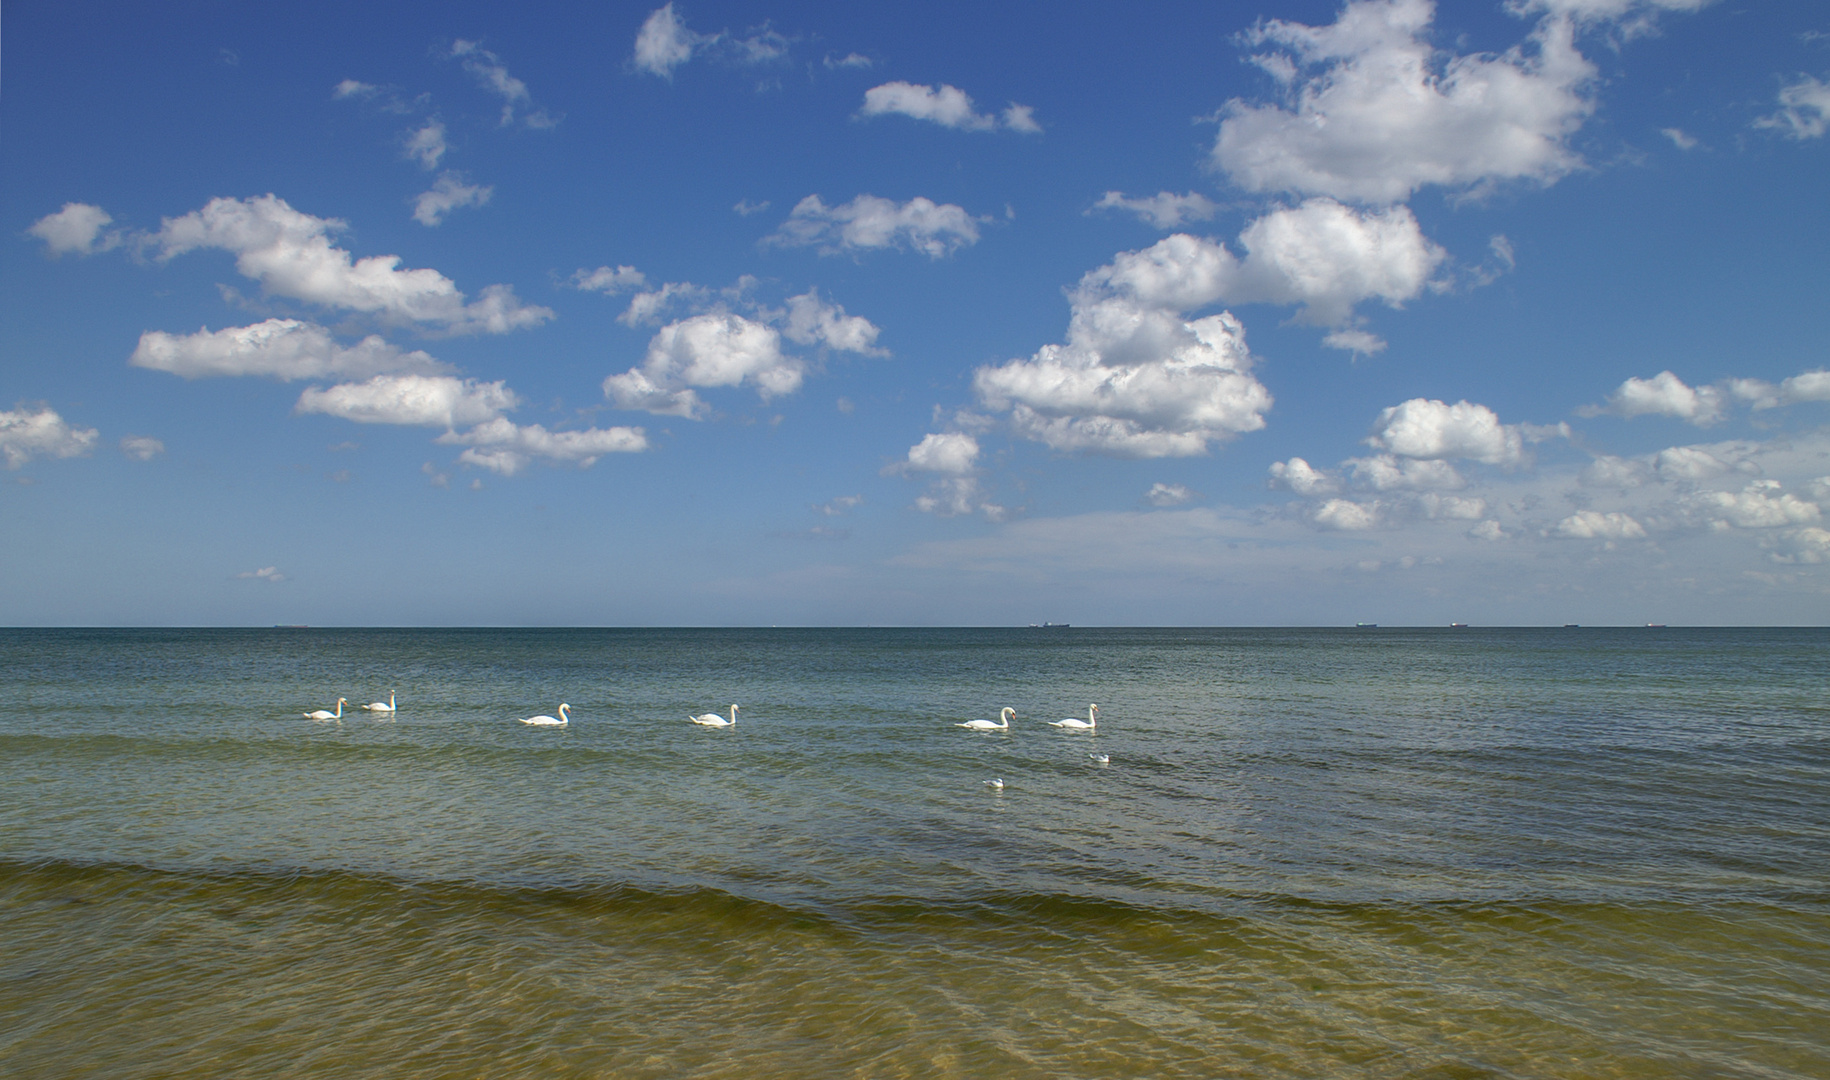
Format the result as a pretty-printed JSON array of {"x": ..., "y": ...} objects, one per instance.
[{"x": 1050, "y": 626}]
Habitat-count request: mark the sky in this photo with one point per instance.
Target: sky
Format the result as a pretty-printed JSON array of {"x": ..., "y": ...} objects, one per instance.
[{"x": 767, "y": 313}]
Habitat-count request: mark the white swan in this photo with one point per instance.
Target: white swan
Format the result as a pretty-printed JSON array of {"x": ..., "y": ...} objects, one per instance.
[
  {"x": 712, "y": 719},
  {"x": 549, "y": 721},
  {"x": 1005, "y": 716},
  {"x": 1073, "y": 724},
  {"x": 326, "y": 714},
  {"x": 995, "y": 785},
  {"x": 1100, "y": 759},
  {"x": 382, "y": 706}
]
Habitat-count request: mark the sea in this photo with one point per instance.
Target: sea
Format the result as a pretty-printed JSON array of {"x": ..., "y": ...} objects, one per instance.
[{"x": 1376, "y": 852}]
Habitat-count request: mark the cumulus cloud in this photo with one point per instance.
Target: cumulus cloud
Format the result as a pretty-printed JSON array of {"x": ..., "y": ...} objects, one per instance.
[
  {"x": 25, "y": 435},
  {"x": 291, "y": 255},
  {"x": 141, "y": 447},
  {"x": 1161, "y": 494},
  {"x": 1426, "y": 428},
  {"x": 1662, "y": 395},
  {"x": 1372, "y": 111},
  {"x": 608, "y": 280},
  {"x": 1596, "y": 525},
  {"x": 813, "y": 321},
  {"x": 284, "y": 349},
  {"x": 1804, "y": 109},
  {"x": 716, "y": 349},
  {"x": 1165, "y": 210},
  {"x": 76, "y": 230},
  {"x": 869, "y": 222},
  {"x": 952, "y": 453},
  {"x": 427, "y": 145},
  {"x": 487, "y": 68},
  {"x": 954, "y": 496},
  {"x": 948, "y": 106},
  {"x": 1321, "y": 255},
  {"x": 664, "y": 43},
  {"x": 1135, "y": 378},
  {"x": 1303, "y": 478},
  {"x": 1388, "y": 472},
  {"x": 1760, "y": 505},
  {"x": 449, "y": 192},
  {"x": 506, "y": 448},
  {"x": 350, "y": 88},
  {"x": 647, "y": 306},
  {"x": 422, "y": 400}
]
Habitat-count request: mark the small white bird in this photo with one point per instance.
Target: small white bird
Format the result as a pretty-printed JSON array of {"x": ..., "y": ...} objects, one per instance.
[
  {"x": 549, "y": 721},
  {"x": 1005, "y": 716},
  {"x": 1100, "y": 759},
  {"x": 382, "y": 706},
  {"x": 1075, "y": 724},
  {"x": 995, "y": 785},
  {"x": 326, "y": 714},
  {"x": 712, "y": 719}
]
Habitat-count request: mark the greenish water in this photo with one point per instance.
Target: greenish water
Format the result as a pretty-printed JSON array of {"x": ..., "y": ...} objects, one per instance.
[{"x": 1470, "y": 853}]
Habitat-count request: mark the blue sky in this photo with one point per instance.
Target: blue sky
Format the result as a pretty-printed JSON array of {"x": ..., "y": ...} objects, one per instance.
[{"x": 724, "y": 313}]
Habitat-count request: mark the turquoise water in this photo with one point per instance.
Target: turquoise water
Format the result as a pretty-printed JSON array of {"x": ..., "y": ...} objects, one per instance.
[{"x": 1309, "y": 853}]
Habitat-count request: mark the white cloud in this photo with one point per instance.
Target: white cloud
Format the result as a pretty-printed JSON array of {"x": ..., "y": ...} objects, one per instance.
[
  {"x": 350, "y": 88},
  {"x": 1595, "y": 525},
  {"x": 1426, "y": 428},
  {"x": 849, "y": 60},
  {"x": 1161, "y": 494},
  {"x": 1760, "y": 505},
  {"x": 77, "y": 228},
  {"x": 490, "y": 74},
  {"x": 1345, "y": 515},
  {"x": 716, "y": 349},
  {"x": 646, "y": 307},
  {"x": 26, "y": 435},
  {"x": 869, "y": 222},
  {"x": 609, "y": 281},
  {"x": 1387, "y": 472},
  {"x": 1359, "y": 342},
  {"x": 266, "y": 573},
  {"x": 953, "y": 453},
  {"x": 1386, "y": 114},
  {"x": 664, "y": 42},
  {"x": 948, "y": 106},
  {"x": 840, "y": 505},
  {"x": 283, "y": 349},
  {"x": 142, "y": 447},
  {"x": 427, "y": 145},
  {"x": 1804, "y": 109},
  {"x": 291, "y": 255},
  {"x": 957, "y": 495},
  {"x": 1663, "y": 394},
  {"x": 1303, "y": 478},
  {"x": 1135, "y": 378},
  {"x": 1320, "y": 254},
  {"x": 744, "y": 207},
  {"x": 506, "y": 448},
  {"x": 813, "y": 321},
  {"x": 426, "y": 400},
  {"x": 448, "y": 193},
  {"x": 1165, "y": 210},
  {"x": 1679, "y": 139}
]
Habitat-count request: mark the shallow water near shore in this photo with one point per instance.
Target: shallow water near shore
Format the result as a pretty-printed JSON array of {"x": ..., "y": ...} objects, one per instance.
[{"x": 1379, "y": 853}]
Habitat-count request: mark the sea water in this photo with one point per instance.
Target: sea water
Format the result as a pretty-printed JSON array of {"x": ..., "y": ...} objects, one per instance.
[{"x": 1281, "y": 853}]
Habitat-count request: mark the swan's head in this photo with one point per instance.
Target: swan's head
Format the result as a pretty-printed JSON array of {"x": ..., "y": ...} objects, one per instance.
[
  {"x": 563, "y": 707},
  {"x": 1007, "y": 714},
  {"x": 343, "y": 701}
]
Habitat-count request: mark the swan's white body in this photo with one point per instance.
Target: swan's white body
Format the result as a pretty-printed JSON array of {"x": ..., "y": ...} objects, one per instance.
[
  {"x": 550, "y": 721},
  {"x": 712, "y": 719},
  {"x": 1073, "y": 724},
  {"x": 326, "y": 714},
  {"x": 1005, "y": 716},
  {"x": 381, "y": 706},
  {"x": 995, "y": 785}
]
